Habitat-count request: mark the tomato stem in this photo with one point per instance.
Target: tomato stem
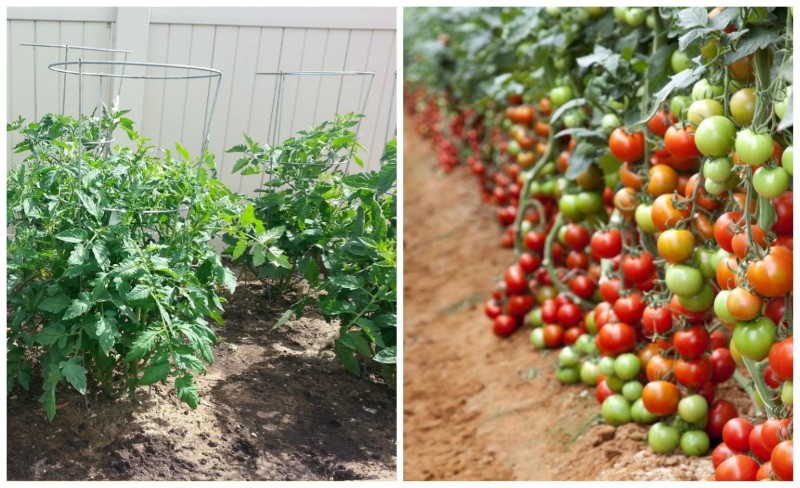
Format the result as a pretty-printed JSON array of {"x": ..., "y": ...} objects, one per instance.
[{"x": 524, "y": 199}]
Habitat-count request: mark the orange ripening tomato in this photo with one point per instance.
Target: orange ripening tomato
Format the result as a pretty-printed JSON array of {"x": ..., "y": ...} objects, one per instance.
[
  {"x": 629, "y": 177},
  {"x": 662, "y": 179},
  {"x": 771, "y": 276},
  {"x": 664, "y": 213}
]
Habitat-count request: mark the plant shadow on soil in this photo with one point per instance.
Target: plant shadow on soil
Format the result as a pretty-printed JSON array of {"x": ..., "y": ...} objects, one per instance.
[{"x": 276, "y": 405}]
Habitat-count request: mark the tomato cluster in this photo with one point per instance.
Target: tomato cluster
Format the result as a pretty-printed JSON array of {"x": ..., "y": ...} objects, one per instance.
[{"x": 662, "y": 263}]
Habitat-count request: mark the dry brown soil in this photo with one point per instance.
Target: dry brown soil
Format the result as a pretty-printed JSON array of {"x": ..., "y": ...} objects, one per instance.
[
  {"x": 276, "y": 405},
  {"x": 481, "y": 408}
]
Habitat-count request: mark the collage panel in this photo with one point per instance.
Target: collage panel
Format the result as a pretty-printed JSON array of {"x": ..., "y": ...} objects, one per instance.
[
  {"x": 202, "y": 241},
  {"x": 598, "y": 243}
]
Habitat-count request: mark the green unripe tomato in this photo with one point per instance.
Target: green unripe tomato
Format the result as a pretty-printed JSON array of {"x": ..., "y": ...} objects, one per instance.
[
  {"x": 680, "y": 61},
  {"x": 525, "y": 226},
  {"x": 718, "y": 170},
  {"x": 560, "y": 95},
  {"x": 683, "y": 280},
  {"x": 695, "y": 443},
  {"x": 606, "y": 366},
  {"x": 611, "y": 179},
  {"x": 614, "y": 383},
  {"x": 700, "y": 110},
  {"x": 609, "y": 122},
  {"x": 663, "y": 438},
  {"x": 754, "y": 339},
  {"x": 771, "y": 182},
  {"x": 782, "y": 106},
  {"x": 537, "y": 338},
  {"x": 651, "y": 21},
  {"x": 787, "y": 396},
  {"x": 704, "y": 89},
  {"x": 548, "y": 169},
  {"x": 721, "y": 307},
  {"x": 554, "y": 12},
  {"x": 635, "y": 16},
  {"x": 699, "y": 302},
  {"x": 787, "y": 160},
  {"x": 616, "y": 410},
  {"x": 583, "y": 343},
  {"x": 710, "y": 50},
  {"x": 569, "y": 357},
  {"x": 632, "y": 390},
  {"x": 589, "y": 373},
  {"x": 743, "y": 106},
  {"x": 568, "y": 205},
  {"x": 627, "y": 366},
  {"x": 679, "y": 105},
  {"x": 535, "y": 317},
  {"x": 513, "y": 148},
  {"x": 639, "y": 413},
  {"x": 581, "y": 15},
  {"x": 590, "y": 324},
  {"x": 573, "y": 119},
  {"x": 693, "y": 408},
  {"x": 596, "y": 11},
  {"x": 619, "y": 13},
  {"x": 644, "y": 218},
  {"x": 714, "y": 188},
  {"x": 753, "y": 149},
  {"x": 590, "y": 202},
  {"x": 715, "y": 136},
  {"x": 568, "y": 376}
]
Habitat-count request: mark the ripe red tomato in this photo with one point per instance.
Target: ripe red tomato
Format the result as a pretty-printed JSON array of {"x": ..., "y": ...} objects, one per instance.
[
  {"x": 609, "y": 289},
  {"x": 630, "y": 309},
  {"x": 770, "y": 378},
  {"x": 577, "y": 260},
  {"x": 660, "y": 122},
  {"x": 693, "y": 373},
  {"x": 607, "y": 244},
  {"x": 660, "y": 398},
  {"x": 736, "y": 434},
  {"x": 519, "y": 305},
  {"x": 679, "y": 141},
  {"x": 582, "y": 286},
  {"x": 725, "y": 229},
  {"x": 535, "y": 241},
  {"x": 740, "y": 242},
  {"x": 569, "y": 315},
  {"x": 719, "y": 414},
  {"x": 774, "y": 431},
  {"x": 719, "y": 339},
  {"x": 722, "y": 365},
  {"x": 656, "y": 320},
  {"x": 737, "y": 468},
  {"x": 550, "y": 311},
  {"x": 571, "y": 335},
  {"x": 692, "y": 342},
  {"x": 782, "y": 461},
  {"x": 492, "y": 309},
  {"x": 615, "y": 338},
  {"x": 775, "y": 309},
  {"x": 764, "y": 472},
  {"x": 720, "y": 454},
  {"x": 504, "y": 325},
  {"x": 757, "y": 443},
  {"x": 602, "y": 391},
  {"x": 603, "y": 314},
  {"x": 781, "y": 358},
  {"x": 516, "y": 282},
  {"x": 626, "y": 147},
  {"x": 783, "y": 214},
  {"x": 576, "y": 237},
  {"x": 529, "y": 263},
  {"x": 638, "y": 268}
]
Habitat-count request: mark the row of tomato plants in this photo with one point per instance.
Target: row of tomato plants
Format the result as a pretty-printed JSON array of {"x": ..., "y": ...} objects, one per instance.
[
  {"x": 640, "y": 161},
  {"x": 114, "y": 277}
]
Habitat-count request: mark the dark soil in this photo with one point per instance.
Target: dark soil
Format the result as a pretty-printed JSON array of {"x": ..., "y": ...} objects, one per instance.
[
  {"x": 276, "y": 405},
  {"x": 477, "y": 407}
]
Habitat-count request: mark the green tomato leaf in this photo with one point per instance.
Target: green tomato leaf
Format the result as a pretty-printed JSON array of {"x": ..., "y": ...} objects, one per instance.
[
  {"x": 154, "y": 373},
  {"x": 77, "y": 308},
  {"x": 187, "y": 390},
  {"x": 54, "y": 304},
  {"x": 72, "y": 235},
  {"x": 74, "y": 373}
]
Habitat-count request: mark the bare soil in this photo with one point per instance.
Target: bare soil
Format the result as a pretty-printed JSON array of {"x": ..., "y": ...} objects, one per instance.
[
  {"x": 276, "y": 405},
  {"x": 477, "y": 407}
]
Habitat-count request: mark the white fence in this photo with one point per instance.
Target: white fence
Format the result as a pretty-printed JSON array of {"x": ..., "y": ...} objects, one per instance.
[{"x": 237, "y": 41}]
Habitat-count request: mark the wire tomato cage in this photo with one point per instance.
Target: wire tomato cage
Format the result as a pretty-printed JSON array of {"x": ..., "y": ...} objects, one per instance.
[
  {"x": 119, "y": 71},
  {"x": 275, "y": 122}
]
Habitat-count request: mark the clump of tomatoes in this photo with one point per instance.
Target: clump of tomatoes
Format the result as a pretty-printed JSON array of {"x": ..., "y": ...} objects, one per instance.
[{"x": 657, "y": 254}]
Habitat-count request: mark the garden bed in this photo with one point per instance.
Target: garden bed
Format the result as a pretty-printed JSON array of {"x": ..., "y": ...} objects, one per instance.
[{"x": 276, "y": 405}]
